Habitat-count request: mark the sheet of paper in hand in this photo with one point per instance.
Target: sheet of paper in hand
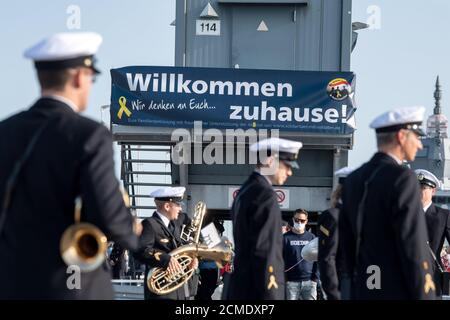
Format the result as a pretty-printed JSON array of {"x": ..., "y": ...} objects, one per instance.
[{"x": 210, "y": 235}]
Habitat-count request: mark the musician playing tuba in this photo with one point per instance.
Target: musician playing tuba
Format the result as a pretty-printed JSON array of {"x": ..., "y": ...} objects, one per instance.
[{"x": 161, "y": 235}]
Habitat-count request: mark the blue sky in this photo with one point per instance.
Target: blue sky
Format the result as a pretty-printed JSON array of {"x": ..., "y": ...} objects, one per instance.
[{"x": 395, "y": 65}]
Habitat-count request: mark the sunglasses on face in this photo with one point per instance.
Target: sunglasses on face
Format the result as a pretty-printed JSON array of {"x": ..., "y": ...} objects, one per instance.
[{"x": 299, "y": 220}]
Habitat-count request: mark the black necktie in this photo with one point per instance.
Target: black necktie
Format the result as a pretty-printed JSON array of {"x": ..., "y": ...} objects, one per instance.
[{"x": 172, "y": 227}]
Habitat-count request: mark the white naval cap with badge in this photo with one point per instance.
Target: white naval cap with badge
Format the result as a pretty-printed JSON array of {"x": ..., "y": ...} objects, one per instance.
[
  {"x": 427, "y": 178},
  {"x": 283, "y": 149},
  {"x": 342, "y": 173},
  {"x": 66, "y": 50},
  {"x": 169, "y": 194},
  {"x": 409, "y": 118}
]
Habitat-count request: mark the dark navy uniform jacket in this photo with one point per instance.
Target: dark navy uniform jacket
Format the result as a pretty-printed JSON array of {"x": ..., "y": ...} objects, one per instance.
[
  {"x": 258, "y": 264},
  {"x": 73, "y": 156},
  {"x": 438, "y": 224},
  {"x": 328, "y": 234},
  {"x": 394, "y": 235}
]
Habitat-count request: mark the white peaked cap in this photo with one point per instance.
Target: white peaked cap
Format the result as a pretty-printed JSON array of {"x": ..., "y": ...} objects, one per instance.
[
  {"x": 168, "y": 193},
  {"x": 343, "y": 172},
  {"x": 66, "y": 45},
  {"x": 282, "y": 145},
  {"x": 426, "y": 177},
  {"x": 400, "y": 118},
  {"x": 285, "y": 150}
]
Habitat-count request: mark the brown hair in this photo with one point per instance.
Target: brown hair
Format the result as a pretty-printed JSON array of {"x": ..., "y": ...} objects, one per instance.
[
  {"x": 385, "y": 138},
  {"x": 301, "y": 211},
  {"x": 336, "y": 195},
  {"x": 53, "y": 79}
]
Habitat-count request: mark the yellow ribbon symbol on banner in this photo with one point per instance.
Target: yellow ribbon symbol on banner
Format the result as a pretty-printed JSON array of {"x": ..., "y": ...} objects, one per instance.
[{"x": 123, "y": 108}]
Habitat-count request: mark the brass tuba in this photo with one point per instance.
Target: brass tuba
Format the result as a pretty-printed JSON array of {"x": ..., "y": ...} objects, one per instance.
[
  {"x": 83, "y": 244},
  {"x": 191, "y": 232},
  {"x": 160, "y": 282}
]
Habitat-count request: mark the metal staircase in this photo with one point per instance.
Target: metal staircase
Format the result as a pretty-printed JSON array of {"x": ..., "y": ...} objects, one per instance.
[{"x": 144, "y": 168}]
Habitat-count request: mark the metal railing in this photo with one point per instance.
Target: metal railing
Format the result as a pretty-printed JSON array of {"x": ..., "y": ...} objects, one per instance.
[
  {"x": 128, "y": 289},
  {"x": 144, "y": 168}
]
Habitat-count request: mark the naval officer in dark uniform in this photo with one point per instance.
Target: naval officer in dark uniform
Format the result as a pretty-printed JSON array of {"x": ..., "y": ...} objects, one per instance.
[
  {"x": 258, "y": 263},
  {"x": 328, "y": 239},
  {"x": 438, "y": 219},
  {"x": 382, "y": 231},
  {"x": 161, "y": 235},
  {"x": 50, "y": 156}
]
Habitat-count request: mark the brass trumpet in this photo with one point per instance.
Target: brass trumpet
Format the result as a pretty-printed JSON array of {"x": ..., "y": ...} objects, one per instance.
[{"x": 83, "y": 244}]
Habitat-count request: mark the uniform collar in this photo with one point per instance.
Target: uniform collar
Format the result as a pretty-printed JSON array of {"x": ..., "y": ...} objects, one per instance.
[
  {"x": 164, "y": 219},
  {"x": 395, "y": 158},
  {"x": 64, "y": 100},
  {"x": 427, "y": 206},
  {"x": 258, "y": 172}
]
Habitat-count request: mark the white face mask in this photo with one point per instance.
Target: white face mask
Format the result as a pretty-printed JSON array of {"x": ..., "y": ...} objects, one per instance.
[{"x": 299, "y": 226}]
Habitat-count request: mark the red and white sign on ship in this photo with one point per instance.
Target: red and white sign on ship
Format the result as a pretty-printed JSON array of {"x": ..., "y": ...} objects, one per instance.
[{"x": 282, "y": 196}]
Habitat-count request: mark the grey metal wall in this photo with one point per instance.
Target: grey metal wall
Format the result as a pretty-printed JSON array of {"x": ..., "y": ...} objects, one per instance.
[{"x": 302, "y": 35}]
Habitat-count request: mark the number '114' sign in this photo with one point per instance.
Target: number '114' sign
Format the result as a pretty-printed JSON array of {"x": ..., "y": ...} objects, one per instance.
[{"x": 206, "y": 27}]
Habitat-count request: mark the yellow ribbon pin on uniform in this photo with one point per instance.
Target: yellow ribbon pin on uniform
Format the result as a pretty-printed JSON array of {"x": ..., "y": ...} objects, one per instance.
[
  {"x": 272, "y": 281},
  {"x": 123, "y": 108},
  {"x": 429, "y": 283}
]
